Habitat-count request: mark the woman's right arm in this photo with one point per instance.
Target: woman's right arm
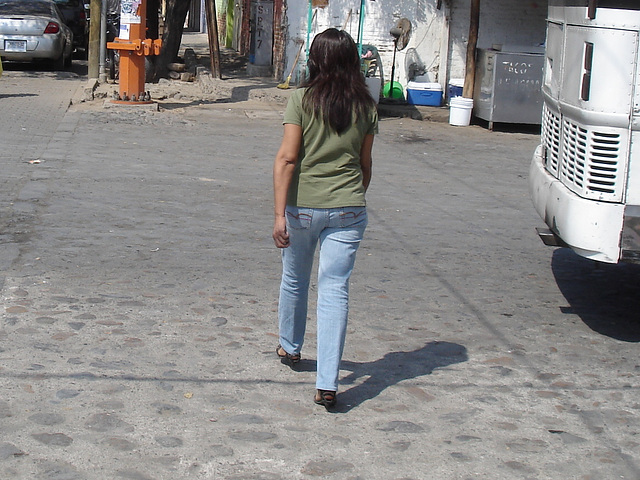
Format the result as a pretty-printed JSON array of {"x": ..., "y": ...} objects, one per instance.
[
  {"x": 283, "y": 168},
  {"x": 365, "y": 160}
]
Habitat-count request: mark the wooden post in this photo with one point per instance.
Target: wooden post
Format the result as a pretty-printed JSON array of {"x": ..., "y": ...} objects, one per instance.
[
  {"x": 470, "y": 69},
  {"x": 214, "y": 44},
  {"x": 94, "y": 39}
]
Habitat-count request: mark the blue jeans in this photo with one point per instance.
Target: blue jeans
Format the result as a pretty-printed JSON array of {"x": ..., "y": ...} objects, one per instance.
[{"x": 339, "y": 232}]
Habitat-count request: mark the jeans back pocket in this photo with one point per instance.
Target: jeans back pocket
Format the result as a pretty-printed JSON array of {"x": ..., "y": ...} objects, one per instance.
[
  {"x": 299, "y": 218},
  {"x": 353, "y": 217}
]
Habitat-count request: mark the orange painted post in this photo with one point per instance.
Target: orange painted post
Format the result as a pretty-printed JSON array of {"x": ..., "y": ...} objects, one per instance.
[{"x": 133, "y": 47}]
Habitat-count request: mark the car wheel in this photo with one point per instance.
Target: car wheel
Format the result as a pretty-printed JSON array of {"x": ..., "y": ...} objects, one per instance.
[{"x": 68, "y": 60}]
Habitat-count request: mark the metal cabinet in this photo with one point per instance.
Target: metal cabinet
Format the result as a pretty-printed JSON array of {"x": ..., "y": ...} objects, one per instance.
[{"x": 508, "y": 87}]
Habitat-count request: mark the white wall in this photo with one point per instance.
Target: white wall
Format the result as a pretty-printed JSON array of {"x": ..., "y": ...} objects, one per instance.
[
  {"x": 501, "y": 21},
  {"x": 505, "y": 22},
  {"x": 380, "y": 17}
]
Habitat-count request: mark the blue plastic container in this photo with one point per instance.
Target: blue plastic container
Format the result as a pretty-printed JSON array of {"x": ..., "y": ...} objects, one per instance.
[
  {"x": 455, "y": 87},
  {"x": 429, "y": 94}
]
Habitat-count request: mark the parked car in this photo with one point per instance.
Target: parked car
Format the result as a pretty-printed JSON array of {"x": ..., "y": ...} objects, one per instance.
[
  {"x": 75, "y": 16},
  {"x": 34, "y": 30}
]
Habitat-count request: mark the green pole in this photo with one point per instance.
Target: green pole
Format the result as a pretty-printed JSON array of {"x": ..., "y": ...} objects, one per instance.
[
  {"x": 361, "y": 27},
  {"x": 309, "y": 22}
]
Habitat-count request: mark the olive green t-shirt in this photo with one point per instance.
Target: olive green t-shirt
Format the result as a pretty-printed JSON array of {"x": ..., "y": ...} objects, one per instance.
[{"x": 328, "y": 173}]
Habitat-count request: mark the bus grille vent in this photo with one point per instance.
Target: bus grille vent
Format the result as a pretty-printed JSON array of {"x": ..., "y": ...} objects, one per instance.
[
  {"x": 551, "y": 139},
  {"x": 589, "y": 162},
  {"x": 574, "y": 149}
]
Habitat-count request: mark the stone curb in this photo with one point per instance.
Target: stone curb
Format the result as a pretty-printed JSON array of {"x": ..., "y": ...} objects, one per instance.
[{"x": 89, "y": 89}]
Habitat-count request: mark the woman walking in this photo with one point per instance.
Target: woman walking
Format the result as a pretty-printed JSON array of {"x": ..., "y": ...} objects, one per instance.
[{"x": 320, "y": 175}]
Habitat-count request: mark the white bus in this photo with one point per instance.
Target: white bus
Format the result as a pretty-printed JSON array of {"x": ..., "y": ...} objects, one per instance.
[{"x": 585, "y": 175}]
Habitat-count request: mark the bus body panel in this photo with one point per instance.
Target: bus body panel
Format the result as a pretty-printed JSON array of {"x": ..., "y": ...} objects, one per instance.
[
  {"x": 576, "y": 12},
  {"x": 633, "y": 178},
  {"x": 590, "y": 228},
  {"x": 631, "y": 229},
  {"x": 552, "y": 73},
  {"x": 612, "y": 56},
  {"x": 585, "y": 176}
]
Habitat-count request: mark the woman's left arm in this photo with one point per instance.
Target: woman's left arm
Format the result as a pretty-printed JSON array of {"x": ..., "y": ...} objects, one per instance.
[
  {"x": 283, "y": 168},
  {"x": 365, "y": 160}
]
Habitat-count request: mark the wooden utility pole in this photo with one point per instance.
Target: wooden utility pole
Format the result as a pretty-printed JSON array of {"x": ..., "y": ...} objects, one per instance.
[
  {"x": 214, "y": 45},
  {"x": 470, "y": 71},
  {"x": 94, "y": 39}
]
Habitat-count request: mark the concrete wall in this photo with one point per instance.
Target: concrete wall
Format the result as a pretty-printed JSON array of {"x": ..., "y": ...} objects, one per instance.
[
  {"x": 380, "y": 17},
  {"x": 438, "y": 38},
  {"x": 505, "y": 22}
]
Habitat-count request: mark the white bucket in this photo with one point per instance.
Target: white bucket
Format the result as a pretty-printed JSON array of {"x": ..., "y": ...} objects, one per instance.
[{"x": 460, "y": 111}]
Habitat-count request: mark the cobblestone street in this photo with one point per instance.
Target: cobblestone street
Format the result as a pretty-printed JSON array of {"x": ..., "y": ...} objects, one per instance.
[{"x": 138, "y": 292}]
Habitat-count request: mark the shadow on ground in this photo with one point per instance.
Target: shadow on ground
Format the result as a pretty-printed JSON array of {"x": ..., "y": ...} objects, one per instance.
[
  {"x": 17, "y": 95},
  {"x": 605, "y": 296},
  {"x": 391, "y": 369}
]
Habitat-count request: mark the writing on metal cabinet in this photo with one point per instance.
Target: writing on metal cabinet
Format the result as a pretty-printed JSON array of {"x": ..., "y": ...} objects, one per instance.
[
  {"x": 517, "y": 68},
  {"x": 519, "y": 81}
]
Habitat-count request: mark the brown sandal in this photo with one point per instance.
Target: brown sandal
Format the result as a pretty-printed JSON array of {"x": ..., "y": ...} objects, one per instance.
[
  {"x": 287, "y": 358},
  {"x": 326, "y": 398}
]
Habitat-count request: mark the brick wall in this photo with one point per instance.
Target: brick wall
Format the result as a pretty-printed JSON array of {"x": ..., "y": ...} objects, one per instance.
[
  {"x": 279, "y": 38},
  {"x": 246, "y": 28}
]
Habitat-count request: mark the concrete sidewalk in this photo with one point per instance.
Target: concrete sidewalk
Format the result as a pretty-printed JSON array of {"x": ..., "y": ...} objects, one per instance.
[{"x": 236, "y": 86}]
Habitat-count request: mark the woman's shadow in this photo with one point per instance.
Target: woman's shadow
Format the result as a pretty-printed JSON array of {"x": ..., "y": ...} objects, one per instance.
[{"x": 391, "y": 369}]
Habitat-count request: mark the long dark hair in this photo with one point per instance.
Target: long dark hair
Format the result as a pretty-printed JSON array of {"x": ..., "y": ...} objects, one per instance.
[{"x": 336, "y": 90}]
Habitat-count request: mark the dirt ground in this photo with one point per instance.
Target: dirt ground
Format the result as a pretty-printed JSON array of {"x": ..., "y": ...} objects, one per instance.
[{"x": 234, "y": 86}]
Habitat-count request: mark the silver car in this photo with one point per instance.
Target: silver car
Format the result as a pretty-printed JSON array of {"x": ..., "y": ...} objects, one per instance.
[{"x": 34, "y": 30}]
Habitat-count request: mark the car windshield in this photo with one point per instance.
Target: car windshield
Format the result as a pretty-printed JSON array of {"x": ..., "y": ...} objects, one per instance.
[{"x": 13, "y": 7}]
